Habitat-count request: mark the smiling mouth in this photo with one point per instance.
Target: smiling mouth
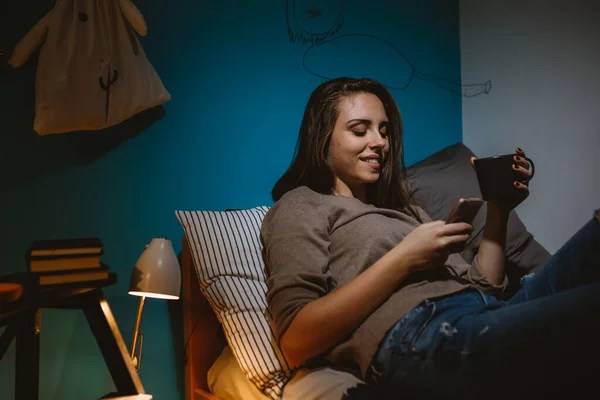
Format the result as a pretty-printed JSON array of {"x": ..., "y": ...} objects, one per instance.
[{"x": 372, "y": 162}]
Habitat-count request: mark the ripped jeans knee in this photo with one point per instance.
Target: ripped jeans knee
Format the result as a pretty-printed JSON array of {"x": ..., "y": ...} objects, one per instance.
[{"x": 526, "y": 277}]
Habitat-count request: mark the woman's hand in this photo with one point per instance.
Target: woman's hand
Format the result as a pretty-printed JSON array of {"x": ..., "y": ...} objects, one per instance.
[
  {"x": 522, "y": 167},
  {"x": 430, "y": 244}
]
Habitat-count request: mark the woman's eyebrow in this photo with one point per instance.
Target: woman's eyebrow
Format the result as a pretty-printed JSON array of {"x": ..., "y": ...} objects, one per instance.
[
  {"x": 358, "y": 121},
  {"x": 367, "y": 122}
]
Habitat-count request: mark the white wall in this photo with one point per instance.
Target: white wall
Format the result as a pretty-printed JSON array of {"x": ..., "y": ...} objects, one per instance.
[{"x": 543, "y": 58}]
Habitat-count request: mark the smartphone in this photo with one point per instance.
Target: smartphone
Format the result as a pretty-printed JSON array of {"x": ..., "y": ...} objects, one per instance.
[{"x": 465, "y": 210}]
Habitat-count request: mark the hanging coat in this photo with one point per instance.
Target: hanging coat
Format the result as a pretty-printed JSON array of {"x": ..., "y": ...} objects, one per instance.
[{"x": 92, "y": 71}]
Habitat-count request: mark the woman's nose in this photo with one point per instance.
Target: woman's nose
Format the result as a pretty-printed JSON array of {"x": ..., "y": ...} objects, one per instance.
[{"x": 377, "y": 141}]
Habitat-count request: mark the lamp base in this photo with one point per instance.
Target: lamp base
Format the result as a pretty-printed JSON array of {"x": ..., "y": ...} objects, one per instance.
[{"x": 115, "y": 396}]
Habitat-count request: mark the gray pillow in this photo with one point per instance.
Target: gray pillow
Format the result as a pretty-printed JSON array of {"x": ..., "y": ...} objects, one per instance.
[{"x": 440, "y": 179}]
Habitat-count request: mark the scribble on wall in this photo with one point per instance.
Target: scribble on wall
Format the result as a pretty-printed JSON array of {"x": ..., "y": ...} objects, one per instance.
[
  {"x": 309, "y": 23},
  {"x": 318, "y": 23}
]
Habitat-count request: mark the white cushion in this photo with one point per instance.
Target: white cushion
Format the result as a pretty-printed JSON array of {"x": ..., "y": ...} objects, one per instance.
[
  {"x": 227, "y": 252},
  {"x": 227, "y": 381}
]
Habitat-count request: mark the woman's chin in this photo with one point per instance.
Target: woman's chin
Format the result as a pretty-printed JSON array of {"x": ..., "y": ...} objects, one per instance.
[{"x": 371, "y": 178}]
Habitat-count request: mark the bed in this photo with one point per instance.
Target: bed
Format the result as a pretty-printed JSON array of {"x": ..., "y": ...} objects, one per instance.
[
  {"x": 222, "y": 324},
  {"x": 204, "y": 345}
]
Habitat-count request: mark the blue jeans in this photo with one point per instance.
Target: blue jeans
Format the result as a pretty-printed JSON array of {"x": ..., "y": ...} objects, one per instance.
[{"x": 544, "y": 340}]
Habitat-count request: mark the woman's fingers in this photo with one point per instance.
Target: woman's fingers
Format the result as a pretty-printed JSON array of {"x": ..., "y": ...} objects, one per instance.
[
  {"x": 520, "y": 158},
  {"x": 456, "y": 243},
  {"x": 433, "y": 223},
  {"x": 472, "y": 160},
  {"x": 451, "y": 238},
  {"x": 521, "y": 186},
  {"x": 521, "y": 165},
  {"x": 521, "y": 162},
  {"x": 523, "y": 171},
  {"x": 455, "y": 228}
]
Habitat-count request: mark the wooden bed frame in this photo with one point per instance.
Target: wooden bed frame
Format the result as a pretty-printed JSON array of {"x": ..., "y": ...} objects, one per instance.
[{"x": 205, "y": 345}]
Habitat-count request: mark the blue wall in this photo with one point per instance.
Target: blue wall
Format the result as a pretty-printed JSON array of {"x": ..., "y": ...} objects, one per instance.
[{"x": 238, "y": 86}]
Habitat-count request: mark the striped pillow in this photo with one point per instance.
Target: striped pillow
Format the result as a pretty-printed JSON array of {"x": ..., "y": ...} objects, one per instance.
[{"x": 227, "y": 251}]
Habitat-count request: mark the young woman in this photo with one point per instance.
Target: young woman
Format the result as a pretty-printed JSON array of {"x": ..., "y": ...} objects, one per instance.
[{"x": 360, "y": 277}]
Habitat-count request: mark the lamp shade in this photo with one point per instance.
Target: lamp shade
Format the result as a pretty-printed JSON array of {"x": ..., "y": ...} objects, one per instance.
[{"x": 156, "y": 272}]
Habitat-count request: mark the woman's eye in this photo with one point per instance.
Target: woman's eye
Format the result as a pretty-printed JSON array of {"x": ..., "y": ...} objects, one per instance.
[{"x": 359, "y": 133}]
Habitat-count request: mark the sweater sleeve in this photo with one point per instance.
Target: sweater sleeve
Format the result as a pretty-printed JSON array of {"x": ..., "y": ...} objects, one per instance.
[
  {"x": 475, "y": 275},
  {"x": 295, "y": 238}
]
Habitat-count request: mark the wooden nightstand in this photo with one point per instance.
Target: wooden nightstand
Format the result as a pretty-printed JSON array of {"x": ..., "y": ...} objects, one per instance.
[{"x": 21, "y": 315}]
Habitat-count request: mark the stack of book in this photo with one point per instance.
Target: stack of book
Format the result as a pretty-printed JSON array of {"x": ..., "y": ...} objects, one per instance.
[{"x": 63, "y": 261}]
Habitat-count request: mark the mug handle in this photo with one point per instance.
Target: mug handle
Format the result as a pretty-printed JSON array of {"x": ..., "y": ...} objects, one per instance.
[{"x": 532, "y": 169}]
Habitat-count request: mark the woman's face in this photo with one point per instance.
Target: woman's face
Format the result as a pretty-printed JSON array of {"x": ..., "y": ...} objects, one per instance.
[{"x": 358, "y": 145}]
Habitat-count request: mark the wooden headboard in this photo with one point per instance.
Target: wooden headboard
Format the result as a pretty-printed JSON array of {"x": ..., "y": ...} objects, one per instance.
[{"x": 205, "y": 343}]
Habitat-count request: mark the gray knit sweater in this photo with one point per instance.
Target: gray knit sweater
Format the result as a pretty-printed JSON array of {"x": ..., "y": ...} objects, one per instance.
[{"x": 315, "y": 243}]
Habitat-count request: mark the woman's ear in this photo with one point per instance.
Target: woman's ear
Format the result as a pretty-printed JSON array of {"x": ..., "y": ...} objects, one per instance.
[{"x": 134, "y": 16}]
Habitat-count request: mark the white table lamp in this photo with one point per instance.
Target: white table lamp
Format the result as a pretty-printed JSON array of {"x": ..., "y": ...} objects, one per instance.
[{"x": 156, "y": 274}]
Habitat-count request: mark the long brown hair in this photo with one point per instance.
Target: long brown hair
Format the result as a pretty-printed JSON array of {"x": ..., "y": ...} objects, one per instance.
[{"x": 309, "y": 166}]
